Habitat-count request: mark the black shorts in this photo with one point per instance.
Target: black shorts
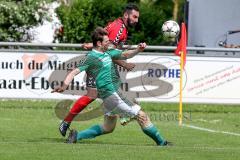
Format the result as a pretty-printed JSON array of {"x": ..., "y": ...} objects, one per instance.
[{"x": 91, "y": 82}]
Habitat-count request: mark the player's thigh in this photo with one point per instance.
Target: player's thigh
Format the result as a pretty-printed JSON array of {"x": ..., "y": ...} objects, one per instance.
[
  {"x": 109, "y": 123},
  {"x": 115, "y": 104}
]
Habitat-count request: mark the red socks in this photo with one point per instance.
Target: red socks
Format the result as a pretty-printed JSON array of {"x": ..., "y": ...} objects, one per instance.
[{"x": 78, "y": 106}]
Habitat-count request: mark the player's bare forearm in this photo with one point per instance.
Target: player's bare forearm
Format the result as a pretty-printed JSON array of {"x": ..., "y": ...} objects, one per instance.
[
  {"x": 131, "y": 53},
  {"x": 70, "y": 77},
  {"x": 124, "y": 64},
  {"x": 121, "y": 63},
  {"x": 67, "y": 81}
]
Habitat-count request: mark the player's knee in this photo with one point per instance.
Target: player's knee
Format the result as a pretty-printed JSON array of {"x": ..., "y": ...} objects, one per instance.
[
  {"x": 143, "y": 118},
  {"x": 142, "y": 115},
  {"x": 108, "y": 129},
  {"x": 109, "y": 124}
]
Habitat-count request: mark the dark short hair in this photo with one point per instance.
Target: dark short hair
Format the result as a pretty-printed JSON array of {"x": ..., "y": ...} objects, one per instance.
[
  {"x": 98, "y": 34},
  {"x": 129, "y": 7}
]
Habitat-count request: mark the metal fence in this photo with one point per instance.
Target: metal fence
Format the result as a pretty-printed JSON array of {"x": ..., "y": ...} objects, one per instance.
[{"x": 68, "y": 48}]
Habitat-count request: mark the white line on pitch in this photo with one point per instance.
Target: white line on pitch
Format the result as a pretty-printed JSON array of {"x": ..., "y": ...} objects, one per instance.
[{"x": 211, "y": 130}]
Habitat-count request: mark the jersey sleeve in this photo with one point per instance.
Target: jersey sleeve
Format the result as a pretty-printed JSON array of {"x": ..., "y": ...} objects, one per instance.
[
  {"x": 84, "y": 66},
  {"x": 115, "y": 53}
]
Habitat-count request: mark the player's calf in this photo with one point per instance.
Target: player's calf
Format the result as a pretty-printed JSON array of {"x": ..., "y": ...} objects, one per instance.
[
  {"x": 149, "y": 129},
  {"x": 109, "y": 124}
]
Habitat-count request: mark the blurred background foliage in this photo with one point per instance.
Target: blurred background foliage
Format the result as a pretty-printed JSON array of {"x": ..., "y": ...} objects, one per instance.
[
  {"x": 80, "y": 17},
  {"x": 17, "y": 16}
]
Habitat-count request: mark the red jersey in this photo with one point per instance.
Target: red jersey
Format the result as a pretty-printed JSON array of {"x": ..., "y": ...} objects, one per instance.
[{"x": 117, "y": 31}]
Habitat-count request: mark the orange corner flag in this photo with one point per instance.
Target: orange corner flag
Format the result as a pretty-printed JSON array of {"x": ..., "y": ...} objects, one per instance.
[
  {"x": 182, "y": 44},
  {"x": 181, "y": 51}
]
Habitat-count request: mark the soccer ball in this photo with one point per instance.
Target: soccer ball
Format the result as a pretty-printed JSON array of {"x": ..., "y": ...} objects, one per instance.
[{"x": 170, "y": 29}]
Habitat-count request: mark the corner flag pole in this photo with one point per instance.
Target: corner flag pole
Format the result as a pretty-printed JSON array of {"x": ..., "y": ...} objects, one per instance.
[
  {"x": 181, "y": 51},
  {"x": 180, "y": 88}
]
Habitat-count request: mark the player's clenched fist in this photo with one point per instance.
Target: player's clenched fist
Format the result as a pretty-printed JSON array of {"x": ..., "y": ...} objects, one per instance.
[{"x": 142, "y": 46}]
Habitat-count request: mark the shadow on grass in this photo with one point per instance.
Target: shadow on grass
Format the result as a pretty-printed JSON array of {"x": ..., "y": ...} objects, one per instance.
[
  {"x": 47, "y": 139},
  {"x": 104, "y": 143},
  {"x": 83, "y": 142}
]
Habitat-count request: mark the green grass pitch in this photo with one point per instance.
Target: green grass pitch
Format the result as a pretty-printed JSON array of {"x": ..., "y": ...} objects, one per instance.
[{"x": 29, "y": 130}]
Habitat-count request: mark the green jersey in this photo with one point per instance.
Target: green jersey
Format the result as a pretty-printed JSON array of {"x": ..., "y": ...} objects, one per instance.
[{"x": 100, "y": 66}]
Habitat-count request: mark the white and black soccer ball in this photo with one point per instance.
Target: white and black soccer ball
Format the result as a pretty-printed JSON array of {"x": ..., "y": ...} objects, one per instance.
[{"x": 170, "y": 29}]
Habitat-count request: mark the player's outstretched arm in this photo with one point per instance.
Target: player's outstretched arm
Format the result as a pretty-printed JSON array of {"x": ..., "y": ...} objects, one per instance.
[
  {"x": 131, "y": 53},
  {"x": 67, "y": 81},
  {"x": 87, "y": 46}
]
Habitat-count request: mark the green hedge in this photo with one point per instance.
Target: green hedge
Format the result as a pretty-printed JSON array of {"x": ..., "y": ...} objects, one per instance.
[{"x": 82, "y": 16}]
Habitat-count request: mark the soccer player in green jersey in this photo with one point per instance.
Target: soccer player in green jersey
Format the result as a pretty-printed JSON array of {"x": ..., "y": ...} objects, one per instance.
[
  {"x": 99, "y": 64},
  {"x": 117, "y": 34}
]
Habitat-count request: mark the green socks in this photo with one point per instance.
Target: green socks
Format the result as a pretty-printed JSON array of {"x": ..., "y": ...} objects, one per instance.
[
  {"x": 152, "y": 132},
  {"x": 97, "y": 130},
  {"x": 92, "y": 132}
]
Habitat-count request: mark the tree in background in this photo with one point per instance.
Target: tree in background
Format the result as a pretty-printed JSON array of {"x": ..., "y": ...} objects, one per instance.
[
  {"x": 80, "y": 17},
  {"x": 16, "y": 17}
]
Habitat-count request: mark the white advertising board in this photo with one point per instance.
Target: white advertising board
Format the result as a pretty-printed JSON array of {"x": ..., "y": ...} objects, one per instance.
[{"x": 155, "y": 78}]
